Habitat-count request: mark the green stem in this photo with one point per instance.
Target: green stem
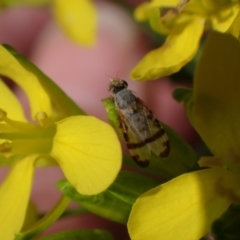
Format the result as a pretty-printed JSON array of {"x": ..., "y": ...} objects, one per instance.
[{"x": 46, "y": 221}]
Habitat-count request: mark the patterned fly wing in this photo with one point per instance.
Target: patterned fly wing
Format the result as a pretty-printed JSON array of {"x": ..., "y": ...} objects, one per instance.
[{"x": 142, "y": 131}]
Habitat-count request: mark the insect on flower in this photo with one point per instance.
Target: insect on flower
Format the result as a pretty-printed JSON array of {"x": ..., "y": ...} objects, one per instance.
[{"x": 142, "y": 131}]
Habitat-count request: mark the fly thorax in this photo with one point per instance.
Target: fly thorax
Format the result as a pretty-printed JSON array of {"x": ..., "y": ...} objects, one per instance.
[{"x": 125, "y": 98}]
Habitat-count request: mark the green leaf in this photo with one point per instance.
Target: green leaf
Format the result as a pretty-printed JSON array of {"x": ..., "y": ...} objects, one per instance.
[
  {"x": 111, "y": 113},
  {"x": 60, "y": 99},
  {"x": 182, "y": 94},
  {"x": 181, "y": 158},
  {"x": 227, "y": 227},
  {"x": 185, "y": 95},
  {"x": 116, "y": 202},
  {"x": 95, "y": 234}
]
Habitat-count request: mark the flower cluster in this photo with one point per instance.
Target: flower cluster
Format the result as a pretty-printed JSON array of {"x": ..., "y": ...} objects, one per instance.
[
  {"x": 185, "y": 207},
  {"x": 184, "y": 23},
  {"x": 86, "y": 149}
]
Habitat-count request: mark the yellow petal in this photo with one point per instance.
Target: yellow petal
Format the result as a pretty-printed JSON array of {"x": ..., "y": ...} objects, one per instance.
[
  {"x": 224, "y": 18},
  {"x": 59, "y": 98},
  {"x": 88, "y": 152},
  {"x": 31, "y": 217},
  {"x": 157, "y": 24},
  {"x": 142, "y": 12},
  {"x": 10, "y": 103},
  {"x": 10, "y": 67},
  {"x": 14, "y": 197},
  {"x": 216, "y": 97},
  {"x": 183, "y": 208},
  {"x": 179, "y": 48},
  {"x": 78, "y": 19},
  {"x": 235, "y": 27},
  {"x": 165, "y": 3},
  {"x": 150, "y": 10}
]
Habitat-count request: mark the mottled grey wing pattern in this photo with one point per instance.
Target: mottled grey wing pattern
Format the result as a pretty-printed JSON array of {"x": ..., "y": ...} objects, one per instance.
[
  {"x": 143, "y": 134},
  {"x": 141, "y": 130},
  {"x": 139, "y": 154},
  {"x": 158, "y": 139}
]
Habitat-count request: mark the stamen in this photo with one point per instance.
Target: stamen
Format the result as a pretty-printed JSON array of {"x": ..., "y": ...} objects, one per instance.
[{"x": 43, "y": 119}]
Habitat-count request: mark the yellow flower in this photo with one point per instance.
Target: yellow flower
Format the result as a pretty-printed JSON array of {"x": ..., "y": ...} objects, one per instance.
[
  {"x": 184, "y": 23},
  {"x": 78, "y": 19},
  {"x": 185, "y": 207},
  {"x": 86, "y": 149}
]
